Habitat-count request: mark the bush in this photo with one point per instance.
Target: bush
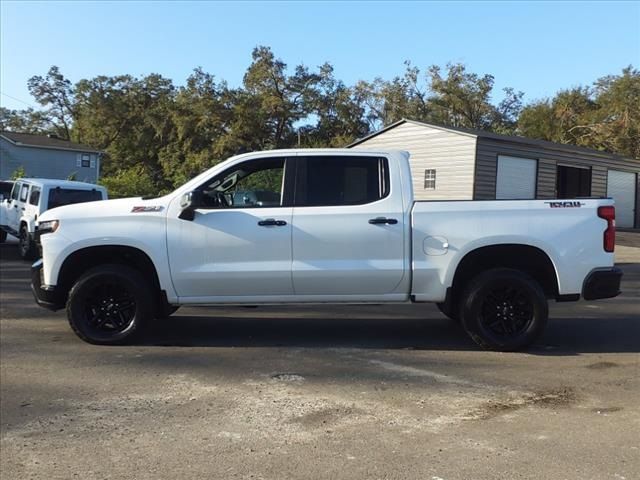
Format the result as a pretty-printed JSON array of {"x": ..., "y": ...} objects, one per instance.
[{"x": 132, "y": 182}]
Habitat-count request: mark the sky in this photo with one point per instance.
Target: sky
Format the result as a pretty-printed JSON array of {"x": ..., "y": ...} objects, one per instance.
[{"x": 536, "y": 47}]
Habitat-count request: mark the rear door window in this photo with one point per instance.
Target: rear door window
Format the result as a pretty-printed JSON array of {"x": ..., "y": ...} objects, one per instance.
[
  {"x": 66, "y": 196},
  {"x": 341, "y": 180}
]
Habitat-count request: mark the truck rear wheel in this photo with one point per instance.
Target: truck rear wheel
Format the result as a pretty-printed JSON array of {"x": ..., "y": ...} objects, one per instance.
[
  {"x": 26, "y": 245},
  {"x": 3, "y": 236},
  {"x": 109, "y": 304},
  {"x": 504, "y": 310}
]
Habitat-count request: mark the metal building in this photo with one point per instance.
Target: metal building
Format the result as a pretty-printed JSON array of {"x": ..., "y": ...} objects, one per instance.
[{"x": 461, "y": 164}]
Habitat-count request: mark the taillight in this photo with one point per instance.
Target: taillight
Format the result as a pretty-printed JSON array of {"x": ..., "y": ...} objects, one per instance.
[{"x": 609, "y": 214}]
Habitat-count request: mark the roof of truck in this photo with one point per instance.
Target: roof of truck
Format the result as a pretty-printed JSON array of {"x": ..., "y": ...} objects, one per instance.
[{"x": 48, "y": 182}]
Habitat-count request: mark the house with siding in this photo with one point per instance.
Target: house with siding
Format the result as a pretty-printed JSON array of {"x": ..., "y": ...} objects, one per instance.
[
  {"x": 45, "y": 156},
  {"x": 462, "y": 164}
]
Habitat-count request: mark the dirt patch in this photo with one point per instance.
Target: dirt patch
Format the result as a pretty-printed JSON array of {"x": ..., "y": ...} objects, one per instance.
[
  {"x": 288, "y": 377},
  {"x": 601, "y": 365},
  {"x": 605, "y": 410},
  {"x": 328, "y": 416},
  {"x": 558, "y": 398}
]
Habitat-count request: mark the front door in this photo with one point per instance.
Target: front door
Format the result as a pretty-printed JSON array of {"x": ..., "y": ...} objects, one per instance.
[
  {"x": 348, "y": 227},
  {"x": 238, "y": 245}
]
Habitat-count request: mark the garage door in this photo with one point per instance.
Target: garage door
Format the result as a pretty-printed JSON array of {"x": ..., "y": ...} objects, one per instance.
[
  {"x": 516, "y": 178},
  {"x": 621, "y": 186}
]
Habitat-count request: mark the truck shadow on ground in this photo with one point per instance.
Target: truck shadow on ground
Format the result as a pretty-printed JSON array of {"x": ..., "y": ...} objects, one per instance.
[{"x": 563, "y": 336}]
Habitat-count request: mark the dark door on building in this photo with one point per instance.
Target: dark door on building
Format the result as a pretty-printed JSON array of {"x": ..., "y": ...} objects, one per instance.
[{"x": 572, "y": 182}]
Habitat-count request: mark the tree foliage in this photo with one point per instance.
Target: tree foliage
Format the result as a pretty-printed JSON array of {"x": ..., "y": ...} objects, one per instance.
[
  {"x": 604, "y": 116},
  {"x": 156, "y": 135}
]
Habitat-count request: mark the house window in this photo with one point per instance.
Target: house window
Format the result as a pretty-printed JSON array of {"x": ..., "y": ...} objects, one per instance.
[
  {"x": 86, "y": 160},
  {"x": 430, "y": 179}
]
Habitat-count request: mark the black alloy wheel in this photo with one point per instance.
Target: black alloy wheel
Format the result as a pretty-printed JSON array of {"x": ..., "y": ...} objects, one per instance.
[
  {"x": 110, "y": 304},
  {"x": 504, "y": 309},
  {"x": 507, "y": 311},
  {"x": 110, "y": 308}
]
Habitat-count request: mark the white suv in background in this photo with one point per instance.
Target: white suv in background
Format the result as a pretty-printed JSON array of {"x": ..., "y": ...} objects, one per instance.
[{"x": 30, "y": 197}]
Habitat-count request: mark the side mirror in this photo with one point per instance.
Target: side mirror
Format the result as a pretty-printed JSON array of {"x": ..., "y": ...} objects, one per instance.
[{"x": 189, "y": 202}]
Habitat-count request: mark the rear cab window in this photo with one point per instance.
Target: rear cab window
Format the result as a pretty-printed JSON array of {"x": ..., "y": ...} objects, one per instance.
[
  {"x": 341, "y": 180},
  {"x": 59, "y": 197}
]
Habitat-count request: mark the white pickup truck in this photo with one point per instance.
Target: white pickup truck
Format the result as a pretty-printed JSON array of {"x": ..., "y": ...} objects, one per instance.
[{"x": 322, "y": 226}]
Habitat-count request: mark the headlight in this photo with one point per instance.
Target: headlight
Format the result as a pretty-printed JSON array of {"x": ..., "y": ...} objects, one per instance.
[{"x": 48, "y": 227}]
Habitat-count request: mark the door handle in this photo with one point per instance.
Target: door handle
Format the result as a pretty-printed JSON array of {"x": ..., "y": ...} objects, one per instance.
[
  {"x": 272, "y": 222},
  {"x": 383, "y": 221}
]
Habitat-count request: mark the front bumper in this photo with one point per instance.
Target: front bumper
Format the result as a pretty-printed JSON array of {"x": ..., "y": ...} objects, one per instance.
[
  {"x": 602, "y": 284},
  {"x": 46, "y": 296}
]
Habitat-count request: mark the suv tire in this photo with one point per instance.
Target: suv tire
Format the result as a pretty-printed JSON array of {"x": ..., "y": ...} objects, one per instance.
[{"x": 26, "y": 245}]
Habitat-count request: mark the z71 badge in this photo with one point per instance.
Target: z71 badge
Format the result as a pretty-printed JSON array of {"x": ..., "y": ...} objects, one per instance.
[
  {"x": 153, "y": 208},
  {"x": 559, "y": 204}
]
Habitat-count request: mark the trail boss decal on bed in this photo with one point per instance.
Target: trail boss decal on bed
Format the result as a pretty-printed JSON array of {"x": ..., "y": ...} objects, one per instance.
[
  {"x": 565, "y": 204},
  {"x": 154, "y": 208}
]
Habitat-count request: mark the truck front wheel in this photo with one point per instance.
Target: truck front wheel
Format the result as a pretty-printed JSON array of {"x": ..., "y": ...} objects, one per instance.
[
  {"x": 109, "y": 305},
  {"x": 504, "y": 309}
]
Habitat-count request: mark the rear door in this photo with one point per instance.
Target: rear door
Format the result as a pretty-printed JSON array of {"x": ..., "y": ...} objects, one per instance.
[
  {"x": 348, "y": 227},
  {"x": 19, "y": 197},
  {"x": 32, "y": 206}
]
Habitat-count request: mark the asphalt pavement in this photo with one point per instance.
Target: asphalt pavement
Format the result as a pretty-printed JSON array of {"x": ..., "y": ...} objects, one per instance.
[{"x": 389, "y": 392}]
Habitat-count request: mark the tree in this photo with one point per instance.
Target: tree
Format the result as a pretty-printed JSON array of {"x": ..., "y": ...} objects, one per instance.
[
  {"x": 604, "y": 116},
  {"x": 26, "y": 121},
  {"x": 132, "y": 182},
  {"x": 277, "y": 100},
  {"x": 451, "y": 97},
  {"x": 56, "y": 94}
]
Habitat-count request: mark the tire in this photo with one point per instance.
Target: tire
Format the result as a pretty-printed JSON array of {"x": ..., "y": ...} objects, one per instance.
[
  {"x": 448, "y": 311},
  {"x": 26, "y": 245},
  {"x": 504, "y": 310},
  {"x": 3, "y": 236},
  {"x": 110, "y": 305}
]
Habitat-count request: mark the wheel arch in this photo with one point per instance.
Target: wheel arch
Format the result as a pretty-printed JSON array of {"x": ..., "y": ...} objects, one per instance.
[
  {"x": 83, "y": 259},
  {"x": 526, "y": 258}
]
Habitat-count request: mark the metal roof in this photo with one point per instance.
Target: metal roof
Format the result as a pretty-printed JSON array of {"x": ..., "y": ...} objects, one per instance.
[
  {"x": 497, "y": 136},
  {"x": 44, "y": 141}
]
